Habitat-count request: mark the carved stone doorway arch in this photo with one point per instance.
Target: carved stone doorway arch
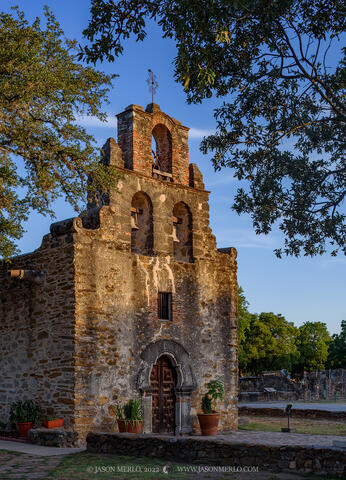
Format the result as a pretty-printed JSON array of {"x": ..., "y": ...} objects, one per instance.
[{"x": 185, "y": 382}]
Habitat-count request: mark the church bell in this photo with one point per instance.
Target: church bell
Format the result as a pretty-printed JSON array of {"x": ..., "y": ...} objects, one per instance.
[
  {"x": 174, "y": 235},
  {"x": 134, "y": 225}
]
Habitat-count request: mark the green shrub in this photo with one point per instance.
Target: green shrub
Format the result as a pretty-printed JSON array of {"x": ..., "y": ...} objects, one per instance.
[
  {"x": 216, "y": 389},
  {"x": 27, "y": 411},
  {"x": 206, "y": 404},
  {"x": 215, "y": 392}
]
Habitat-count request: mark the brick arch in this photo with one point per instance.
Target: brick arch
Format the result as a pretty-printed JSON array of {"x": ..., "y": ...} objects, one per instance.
[
  {"x": 183, "y": 248},
  {"x": 164, "y": 119},
  {"x": 163, "y": 151},
  {"x": 142, "y": 214}
]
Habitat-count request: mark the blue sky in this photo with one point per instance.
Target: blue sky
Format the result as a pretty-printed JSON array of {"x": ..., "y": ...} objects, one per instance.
[{"x": 302, "y": 289}]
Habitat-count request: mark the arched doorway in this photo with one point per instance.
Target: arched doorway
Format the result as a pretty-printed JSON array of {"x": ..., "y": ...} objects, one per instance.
[
  {"x": 163, "y": 382},
  {"x": 186, "y": 383}
]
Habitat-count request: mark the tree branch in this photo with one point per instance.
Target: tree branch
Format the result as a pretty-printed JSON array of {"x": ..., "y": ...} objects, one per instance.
[{"x": 334, "y": 107}]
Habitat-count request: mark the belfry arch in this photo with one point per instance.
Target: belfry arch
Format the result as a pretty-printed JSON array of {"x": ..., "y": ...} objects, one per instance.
[
  {"x": 182, "y": 233},
  {"x": 141, "y": 224},
  {"x": 162, "y": 148}
]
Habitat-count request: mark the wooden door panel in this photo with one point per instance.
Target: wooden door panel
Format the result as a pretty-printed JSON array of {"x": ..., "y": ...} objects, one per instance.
[
  {"x": 154, "y": 382},
  {"x": 162, "y": 380}
]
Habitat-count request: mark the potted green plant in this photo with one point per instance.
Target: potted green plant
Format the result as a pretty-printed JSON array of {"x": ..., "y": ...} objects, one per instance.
[
  {"x": 119, "y": 414},
  {"x": 209, "y": 419},
  {"x": 130, "y": 416},
  {"x": 25, "y": 414},
  {"x": 133, "y": 414},
  {"x": 53, "y": 422}
]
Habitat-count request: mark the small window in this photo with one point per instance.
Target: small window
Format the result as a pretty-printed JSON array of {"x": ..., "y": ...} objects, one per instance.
[{"x": 165, "y": 306}]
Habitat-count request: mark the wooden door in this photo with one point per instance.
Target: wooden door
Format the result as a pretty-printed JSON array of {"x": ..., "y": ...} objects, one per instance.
[{"x": 162, "y": 381}]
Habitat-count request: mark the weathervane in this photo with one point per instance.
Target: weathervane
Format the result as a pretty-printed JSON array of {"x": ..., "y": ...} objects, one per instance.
[{"x": 152, "y": 82}]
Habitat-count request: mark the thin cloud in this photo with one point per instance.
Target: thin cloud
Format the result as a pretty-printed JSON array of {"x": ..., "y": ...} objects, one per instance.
[
  {"x": 86, "y": 121},
  {"x": 200, "y": 132},
  {"x": 334, "y": 260},
  {"x": 244, "y": 238},
  {"x": 220, "y": 178}
]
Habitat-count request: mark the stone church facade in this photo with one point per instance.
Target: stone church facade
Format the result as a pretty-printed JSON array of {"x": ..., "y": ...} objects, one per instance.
[{"x": 133, "y": 299}]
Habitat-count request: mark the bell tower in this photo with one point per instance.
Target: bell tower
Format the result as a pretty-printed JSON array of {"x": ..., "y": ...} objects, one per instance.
[{"x": 154, "y": 144}]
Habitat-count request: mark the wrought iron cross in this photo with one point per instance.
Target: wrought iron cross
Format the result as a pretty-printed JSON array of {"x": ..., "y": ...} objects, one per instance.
[{"x": 152, "y": 82}]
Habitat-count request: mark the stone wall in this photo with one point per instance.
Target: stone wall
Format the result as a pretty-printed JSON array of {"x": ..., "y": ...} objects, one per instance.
[
  {"x": 324, "y": 384},
  {"x": 37, "y": 329},
  {"x": 296, "y": 413},
  {"x": 89, "y": 334},
  {"x": 213, "y": 451},
  {"x": 319, "y": 385},
  {"x": 53, "y": 437}
]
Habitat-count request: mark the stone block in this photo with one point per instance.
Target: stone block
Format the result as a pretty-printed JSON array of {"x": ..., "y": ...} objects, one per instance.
[{"x": 52, "y": 437}]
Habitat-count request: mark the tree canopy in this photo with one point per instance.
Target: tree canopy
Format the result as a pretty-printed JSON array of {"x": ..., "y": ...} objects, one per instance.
[
  {"x": 244, "y": 321},
  {"x": 269, "y": 344},
  {"x": 337, "y": 349},
  {"x": 44, "y": 153},
  {"x": 281, "y": 126},
  {"x": 267, "y": 341},
  {"x": 312, "y": 343}
]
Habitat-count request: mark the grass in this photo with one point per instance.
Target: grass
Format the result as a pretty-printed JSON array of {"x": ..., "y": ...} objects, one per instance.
[
  {"x": 85, "y": 466},
  {"x": 310, "y": 476},
  {"x": 6, "y": 456},
  {"x": 88, "y": 466},
  {"x": 91, "y": 466},
  {"x": 302, "y": 425}
]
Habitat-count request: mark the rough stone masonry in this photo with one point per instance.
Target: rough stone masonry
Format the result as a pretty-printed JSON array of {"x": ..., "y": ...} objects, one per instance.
[{"x": 133, "y": 299}]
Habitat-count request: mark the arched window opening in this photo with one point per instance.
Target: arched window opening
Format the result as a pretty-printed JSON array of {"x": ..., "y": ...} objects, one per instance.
[
  {"x": 182, "y": 233},
  {"x": 162, "y": 149},
  {"x": 141, "y": 224}
]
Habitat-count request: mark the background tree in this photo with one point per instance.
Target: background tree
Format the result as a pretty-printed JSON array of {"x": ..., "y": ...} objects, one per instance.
[
  {"x": 266, "y": 341},
  {"x": 44, "y": 154},
  {"x": 244, "y": 320},
  {"x": 337, "y": 349},
  {"x": 269, "y": 344},
  {"x": 312, "y": 344},
  {"x": 281, "y": 127}
]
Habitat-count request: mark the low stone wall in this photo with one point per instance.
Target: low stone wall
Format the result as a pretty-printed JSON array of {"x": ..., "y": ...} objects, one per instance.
[
  {"x": 295, "y": 413},
  {"x": 51, "y": 437},
  {"x": 267, "y": 396},
  {"x": 324, "y": 384},
  {"x": 212, "y": 451}
]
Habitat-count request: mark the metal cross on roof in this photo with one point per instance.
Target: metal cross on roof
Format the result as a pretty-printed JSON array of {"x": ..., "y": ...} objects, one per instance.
[{"x": 152, "y": 82}]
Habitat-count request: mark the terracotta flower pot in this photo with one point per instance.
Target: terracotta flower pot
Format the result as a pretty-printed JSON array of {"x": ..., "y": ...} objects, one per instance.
[
  {"x": 58, "y": 422},
  {"x": 121, "y": 426},
  {"x": 133, "y": 426},
  {"x": 208, "y": 422},
  {"x": 24, "y": 427}
]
